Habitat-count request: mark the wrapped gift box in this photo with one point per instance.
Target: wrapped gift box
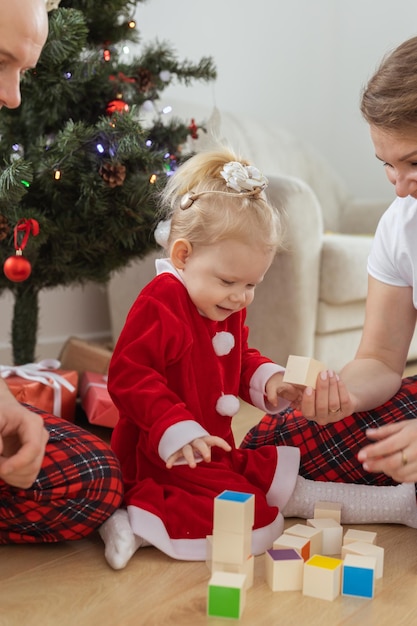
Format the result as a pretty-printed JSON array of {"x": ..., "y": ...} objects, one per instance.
[
  {"x": 44, "y": 385},
  {"x": 96, "y": 401},
  {"x": 85, "y": 356}
]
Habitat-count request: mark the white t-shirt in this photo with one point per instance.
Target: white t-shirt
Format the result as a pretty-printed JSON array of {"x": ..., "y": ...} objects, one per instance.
[{"x": 393, "y": 257}]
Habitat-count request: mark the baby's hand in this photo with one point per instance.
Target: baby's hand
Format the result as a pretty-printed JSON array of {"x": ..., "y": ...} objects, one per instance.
[
  {"x": 275, "y": 387},
  {"x": 196, "y": 450}
]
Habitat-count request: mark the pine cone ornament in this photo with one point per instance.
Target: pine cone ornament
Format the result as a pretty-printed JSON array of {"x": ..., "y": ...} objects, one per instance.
[
  {"x": 144, "y": 80},
  {"x": 113, "y": 175},
  {"x": 4, "y": 228}
]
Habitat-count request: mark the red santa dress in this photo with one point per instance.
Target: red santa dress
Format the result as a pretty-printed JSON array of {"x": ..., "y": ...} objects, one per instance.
[{"x": 175, "y": 376}]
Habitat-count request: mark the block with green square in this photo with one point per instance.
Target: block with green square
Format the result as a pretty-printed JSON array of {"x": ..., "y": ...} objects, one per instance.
[{"x": 226, "y": 595}]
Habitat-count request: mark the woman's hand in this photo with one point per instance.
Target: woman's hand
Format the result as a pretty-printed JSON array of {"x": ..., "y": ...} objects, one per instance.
[
  {"x": 196, "y": 450},
  {"x": 329, "y": 402},
  {"x": 394, "y": 452}
]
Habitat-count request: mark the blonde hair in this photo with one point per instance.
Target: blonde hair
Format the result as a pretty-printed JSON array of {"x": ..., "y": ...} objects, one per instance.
[
  {"x": 389, "y": 100},
  {"x": 217, "y": 212}
]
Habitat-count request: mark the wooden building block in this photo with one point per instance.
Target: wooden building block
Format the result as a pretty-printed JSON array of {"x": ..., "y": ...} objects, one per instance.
[
  {"x": 352, "y": 536},
  {"x": 226, "y": 595},
  {"x": 367, "y": 549},
  {"x": 322, "y": 577},
  {"x": 231, "y": 547},
  {"x": 247, "y": 568},
  {"x": 302, "y": 370},
  {"x": 209, "y": 551},
  {"x": 332, "y": 535},
  {"x": 358, "y": 576},
  {"x": 328, "y": 509},
  {"x": 301, "y": 544},
  {"x": 284, "y": 570},
  {"x": 234, "y": 512},
  {"x": 314, "y": 535}
]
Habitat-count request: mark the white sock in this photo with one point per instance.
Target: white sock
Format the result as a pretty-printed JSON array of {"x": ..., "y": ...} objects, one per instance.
[
  {"x": 361, "y": 504},
  {"x": 119, "y": 539}
]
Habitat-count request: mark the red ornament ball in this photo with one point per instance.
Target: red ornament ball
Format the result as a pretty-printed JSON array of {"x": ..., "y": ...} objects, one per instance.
[
  {"x": 117, "y": 106},
  {"x": 17, "y": 268}
]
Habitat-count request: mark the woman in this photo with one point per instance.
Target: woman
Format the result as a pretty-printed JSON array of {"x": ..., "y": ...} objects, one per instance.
[{"x": 368, "y": 400}]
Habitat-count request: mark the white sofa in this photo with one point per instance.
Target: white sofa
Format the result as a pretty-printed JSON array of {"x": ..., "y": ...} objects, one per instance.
[{"x": 312, "y": 300}]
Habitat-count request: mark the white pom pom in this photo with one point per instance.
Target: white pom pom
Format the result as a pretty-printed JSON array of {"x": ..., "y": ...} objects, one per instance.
[
  {"x": 161, "y": 233},
  {"x": 227, "y": 405},
  {"x": 223, "y": 343}
]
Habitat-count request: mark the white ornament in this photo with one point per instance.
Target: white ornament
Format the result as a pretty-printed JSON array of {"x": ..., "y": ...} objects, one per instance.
[
  {"x": 52, "y": 4},
  {"x": 148, "y": 106},
  {"x": 161, "y": 233},
  {"x": 227, "y": 405},
  {"x": 165, "y": 76},
  {"x": 223, "y": 343}
]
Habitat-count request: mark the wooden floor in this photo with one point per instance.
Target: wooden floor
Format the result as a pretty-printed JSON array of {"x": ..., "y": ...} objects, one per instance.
[{"x": 71, "y": 585}]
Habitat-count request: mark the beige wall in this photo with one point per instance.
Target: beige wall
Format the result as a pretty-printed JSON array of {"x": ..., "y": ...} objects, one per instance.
[{"x": 82, "y": 312}]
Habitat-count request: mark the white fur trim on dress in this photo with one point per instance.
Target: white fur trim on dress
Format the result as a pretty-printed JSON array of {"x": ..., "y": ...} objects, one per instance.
[
  {"x": 177, "y": 436},
  {"x": 257, "y": 388},
  {"x": 285, "y": 479},
  {"x": 151, "y": 528}
]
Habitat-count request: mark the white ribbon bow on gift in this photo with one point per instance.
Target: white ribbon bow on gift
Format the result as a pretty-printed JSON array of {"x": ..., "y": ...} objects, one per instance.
[{"x": 41, "y": 372}]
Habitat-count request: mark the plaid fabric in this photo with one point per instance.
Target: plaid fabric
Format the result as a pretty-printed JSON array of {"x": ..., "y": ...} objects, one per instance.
[
  {"x": 328, "y": 453},
  {"x": 78, "y": 488}
]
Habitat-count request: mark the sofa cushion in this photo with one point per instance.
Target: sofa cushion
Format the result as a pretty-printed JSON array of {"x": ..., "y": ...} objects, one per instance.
[
  {"x": 343, "y": 274},
  {"x": 333, "y": 318}
]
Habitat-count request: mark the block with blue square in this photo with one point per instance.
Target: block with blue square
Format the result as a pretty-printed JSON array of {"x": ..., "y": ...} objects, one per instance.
[
  {"x": 358, "y": 576},
  {"x": 234, "y": 512}
]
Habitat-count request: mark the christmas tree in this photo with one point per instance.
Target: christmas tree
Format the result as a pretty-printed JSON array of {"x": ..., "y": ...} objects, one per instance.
[{"x": 79, "y": 167}]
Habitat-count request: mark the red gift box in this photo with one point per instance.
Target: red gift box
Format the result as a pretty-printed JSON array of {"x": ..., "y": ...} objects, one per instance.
[
  {"x": 96, "y": 401},
  {"x": 44, "y": 385}
]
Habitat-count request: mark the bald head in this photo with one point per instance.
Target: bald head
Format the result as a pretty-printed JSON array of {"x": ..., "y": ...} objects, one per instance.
[{"x": 23, "y": 32}]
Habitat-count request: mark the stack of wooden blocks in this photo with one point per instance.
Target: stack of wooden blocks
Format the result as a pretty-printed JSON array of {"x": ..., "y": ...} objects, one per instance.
[
  {"x": 320, "y": 561},
  {"x": 231, "y": 560}
]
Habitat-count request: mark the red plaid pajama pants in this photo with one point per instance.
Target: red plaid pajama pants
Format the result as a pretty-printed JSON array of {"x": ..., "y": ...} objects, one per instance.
[
  {"x": 79, "y": 486},
  {"x": 329, "y": 453}
]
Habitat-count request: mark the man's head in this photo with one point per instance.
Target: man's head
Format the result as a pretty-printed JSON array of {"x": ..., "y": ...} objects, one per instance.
[{"x": 23, "y": 32}]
